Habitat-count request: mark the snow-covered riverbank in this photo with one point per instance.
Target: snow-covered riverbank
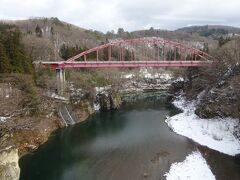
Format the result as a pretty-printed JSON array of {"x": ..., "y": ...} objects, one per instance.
[
  {"x": 194, "y": 167},
  {"x": 214, "y": 133}
]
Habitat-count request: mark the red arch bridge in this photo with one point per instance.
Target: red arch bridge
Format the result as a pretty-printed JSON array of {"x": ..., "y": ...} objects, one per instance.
[{"x": 140, "y": 52}]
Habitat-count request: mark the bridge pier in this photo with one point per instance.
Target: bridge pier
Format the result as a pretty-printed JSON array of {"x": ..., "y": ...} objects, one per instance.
[{"x": 60, "y": 72}]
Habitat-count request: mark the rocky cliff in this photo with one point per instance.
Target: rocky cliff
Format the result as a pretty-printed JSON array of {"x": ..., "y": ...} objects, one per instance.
[
  {"x": 9, "y": 169},
  {"x": 109, "y": 100},
  {"x": 223, "y": 99}
]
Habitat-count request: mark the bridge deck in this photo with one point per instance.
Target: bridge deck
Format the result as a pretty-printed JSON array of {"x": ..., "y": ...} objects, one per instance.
[{"x": 123, "y": 64}]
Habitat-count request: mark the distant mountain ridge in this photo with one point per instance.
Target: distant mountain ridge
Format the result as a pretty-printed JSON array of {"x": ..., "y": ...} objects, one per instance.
[{"x": 214, "y": 31}]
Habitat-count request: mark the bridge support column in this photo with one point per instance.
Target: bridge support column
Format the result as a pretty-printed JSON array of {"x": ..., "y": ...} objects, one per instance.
[{"x": 60, "y": 72}]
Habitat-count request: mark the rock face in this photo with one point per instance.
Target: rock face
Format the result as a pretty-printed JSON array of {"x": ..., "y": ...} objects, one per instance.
[
  {"x": 237, "y": 132},
  {"x": 83, "y": 104},
  {"x": 82, "y": 110},
  {"x": 219, "y": 102},
  {"x": 115, "y": 100},
  {"x": 223, "y": 98},
  {"x": 220, "y": 91},
  {"x": 9, "y": 169},
  {"x": 109, "y": 100},
  {"x": 176, "y": 87}
]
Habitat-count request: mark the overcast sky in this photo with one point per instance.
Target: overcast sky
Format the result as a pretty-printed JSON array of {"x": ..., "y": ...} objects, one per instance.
[{"x": 104, "y": 15}]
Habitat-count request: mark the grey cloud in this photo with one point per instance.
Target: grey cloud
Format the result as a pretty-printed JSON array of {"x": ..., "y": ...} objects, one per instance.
[{"x": 131, "y": 15}]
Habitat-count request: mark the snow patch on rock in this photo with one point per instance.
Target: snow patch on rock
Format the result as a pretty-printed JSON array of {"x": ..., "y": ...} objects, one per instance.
[
  {"x": 3, "y": 119},
  {"x": 128, "y": 76},
  {"x": 55, "y": 96},
  {"x": 102, "y": 90}
]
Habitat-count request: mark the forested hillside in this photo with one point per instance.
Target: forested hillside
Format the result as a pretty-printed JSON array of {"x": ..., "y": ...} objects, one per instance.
[{"x": 45, "y": 39}]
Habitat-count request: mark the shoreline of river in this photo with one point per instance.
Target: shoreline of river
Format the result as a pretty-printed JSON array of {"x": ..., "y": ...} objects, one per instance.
[{"x": 216, "y": 133}]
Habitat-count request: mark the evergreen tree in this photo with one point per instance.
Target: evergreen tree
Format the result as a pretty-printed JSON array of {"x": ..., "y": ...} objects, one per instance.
[
  {"x": 5, "y": 66},
  {"x": 67, "y": 52},
  {"x": 205, "y": 47},
  {"x": 18, "y": 60},
  {"x": 38, "y": 31},
  {"x": 222, "y": 41},
  {"x": 120, "y": 31},
  {"x": 52, "y": 31},
  {"x": 127, "y": 55}
]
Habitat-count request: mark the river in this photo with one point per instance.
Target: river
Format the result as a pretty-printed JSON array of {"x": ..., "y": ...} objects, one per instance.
[{"x": 128, "y": 144}]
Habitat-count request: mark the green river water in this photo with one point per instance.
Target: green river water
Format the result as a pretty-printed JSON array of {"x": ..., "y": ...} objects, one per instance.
[{"x": 128, "y": 144}]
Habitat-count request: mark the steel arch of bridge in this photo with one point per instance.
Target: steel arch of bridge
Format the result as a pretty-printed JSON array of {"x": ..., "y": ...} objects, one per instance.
[{"x": 165, "y": 53}]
